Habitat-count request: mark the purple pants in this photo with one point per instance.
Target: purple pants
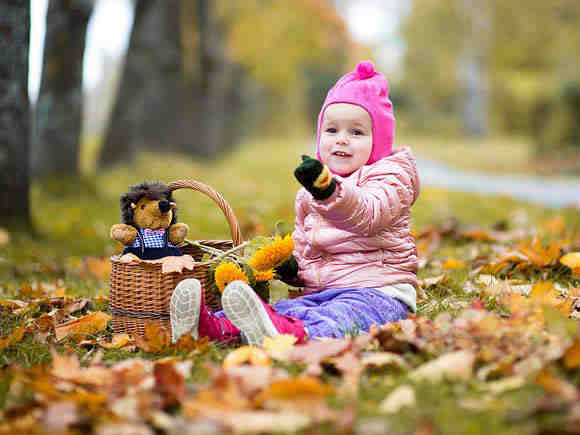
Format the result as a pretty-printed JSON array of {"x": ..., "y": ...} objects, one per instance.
[{"x": 338, "y": 312}]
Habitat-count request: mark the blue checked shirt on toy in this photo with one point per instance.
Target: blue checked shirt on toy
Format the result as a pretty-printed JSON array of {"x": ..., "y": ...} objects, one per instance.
[{"x": 152, "y": 239}]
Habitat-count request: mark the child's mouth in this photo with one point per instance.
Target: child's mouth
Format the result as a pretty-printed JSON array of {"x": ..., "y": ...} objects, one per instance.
[{"x": 341, "y": 154}]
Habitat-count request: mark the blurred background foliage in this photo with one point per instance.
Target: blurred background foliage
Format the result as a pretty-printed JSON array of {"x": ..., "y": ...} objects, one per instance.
[
  {"x": 517, "y": 62},
  {"x": 478, "y": 84}
]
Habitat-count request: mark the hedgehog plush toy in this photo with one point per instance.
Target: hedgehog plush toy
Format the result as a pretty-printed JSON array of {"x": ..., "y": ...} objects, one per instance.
[{"x": 149, "y": 230}]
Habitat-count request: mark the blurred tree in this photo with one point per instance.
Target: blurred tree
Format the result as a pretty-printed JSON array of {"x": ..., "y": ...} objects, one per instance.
[
  {"x": 170, "y": 100},
  {"x": 523, "y": 50},
  {"x": 14, "y": 114},
  {"x": 119, "y": 142},
  {"x": 55, "y": 148}
]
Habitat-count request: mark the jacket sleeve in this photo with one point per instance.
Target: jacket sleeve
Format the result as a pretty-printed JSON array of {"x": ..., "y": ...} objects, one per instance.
[{"x": 385, "y": 193}]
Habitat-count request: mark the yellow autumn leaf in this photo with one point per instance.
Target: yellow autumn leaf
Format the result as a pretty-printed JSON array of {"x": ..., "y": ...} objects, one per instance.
[
  {"x": 278, "y": 346},
  {"x": 452, "y": 263},
  {"x": 302, "y": 387},
  {"x": 13, "y": 338},
  {"x": 119, "y": 341},
  {"x": 572, "y": 260},
  {"x": 89, "y": 324},
  {"x": 246, "y": 355}
]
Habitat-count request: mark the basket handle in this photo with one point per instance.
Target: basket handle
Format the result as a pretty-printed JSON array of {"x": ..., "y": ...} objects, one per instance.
[{"x": 219, "y": 200}]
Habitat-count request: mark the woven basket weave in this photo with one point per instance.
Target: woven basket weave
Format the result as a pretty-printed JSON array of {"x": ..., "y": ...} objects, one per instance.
[{"x": 140, "y": 293}]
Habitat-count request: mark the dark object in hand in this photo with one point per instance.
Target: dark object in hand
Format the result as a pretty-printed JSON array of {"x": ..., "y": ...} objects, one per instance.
[
  {"x": 288, "y": 272},
  {"x": 316, "y": 178}
]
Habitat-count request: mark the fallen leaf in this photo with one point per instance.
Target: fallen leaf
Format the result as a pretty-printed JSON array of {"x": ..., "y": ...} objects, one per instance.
[
  {"x": 572, "y": 356},
  {"x": 279, "y": 346},
  {"x": 436, "y": 280},
  {"x": 246, "y": 355},
  {"x": 156, "y": 338},
  {"x": 186, "y": 343},
  {"x": 87, "y": 325},
  {"x": 452, "y": 365},
  {"x": 13, "y": 338},
  {"x": 60, "y": 416},
  {"x": 452, "y": 264},
  {"x": 403, "y": 395},
  {"x": 572, "y": 260},
  {"x": 4, "y": 237},
  {"x": 302, "y": 387},
  {"x": 173, "y": 264},
  {"x": 119, "y": 341},
  {"x": 506, "y": 384},
  {"x": 557, "y": 385},
  {"x": 267, "y": 422},
  {"x": 380, "y": 359},
  {"x": 169, "y": 381}
]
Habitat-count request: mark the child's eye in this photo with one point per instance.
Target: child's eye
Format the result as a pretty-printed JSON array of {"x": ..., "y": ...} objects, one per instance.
[
  {"x": 143, "y": 207},
  {"x": 357, "y": 132},
  {"x": 331, "y": 130}
]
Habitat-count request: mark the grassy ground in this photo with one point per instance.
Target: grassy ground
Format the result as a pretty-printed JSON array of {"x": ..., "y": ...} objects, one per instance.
[{"x": 73, "y": 219}]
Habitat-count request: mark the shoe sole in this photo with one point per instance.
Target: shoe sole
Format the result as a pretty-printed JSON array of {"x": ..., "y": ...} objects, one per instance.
[
  {"x": 245, "y": 310},
  {"x": 185, "y": 307}
]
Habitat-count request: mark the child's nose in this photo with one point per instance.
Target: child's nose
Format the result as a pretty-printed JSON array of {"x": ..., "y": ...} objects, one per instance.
[{"x": 342, "y": 138}]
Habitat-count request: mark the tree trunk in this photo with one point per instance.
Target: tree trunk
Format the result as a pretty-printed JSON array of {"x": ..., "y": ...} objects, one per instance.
[
  {"x": 14, "y": 114},
  {"x": 130, "y": 109},
  {"x": 472, "y": 67},
  {"x": 59, "y": 107}
]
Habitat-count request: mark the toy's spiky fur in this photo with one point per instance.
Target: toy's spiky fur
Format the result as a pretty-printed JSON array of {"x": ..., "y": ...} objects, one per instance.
[{"x": 154, "y": 190}]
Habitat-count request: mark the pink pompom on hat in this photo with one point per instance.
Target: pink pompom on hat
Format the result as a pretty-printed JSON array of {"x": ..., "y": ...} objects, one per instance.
[{"x": 368, "y": 89}]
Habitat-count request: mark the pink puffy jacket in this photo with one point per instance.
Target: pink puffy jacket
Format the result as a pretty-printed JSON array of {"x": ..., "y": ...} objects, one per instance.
[{"x": 360, "y": 236}]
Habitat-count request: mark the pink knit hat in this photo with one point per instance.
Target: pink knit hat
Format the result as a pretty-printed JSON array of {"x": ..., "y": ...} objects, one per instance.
[{"x": 370, "y": 90}]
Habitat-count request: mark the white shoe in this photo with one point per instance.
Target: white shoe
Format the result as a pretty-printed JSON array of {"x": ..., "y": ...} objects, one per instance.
[
  {"x": 245, "y": 310},
  {"x": 184, "y": 309}
]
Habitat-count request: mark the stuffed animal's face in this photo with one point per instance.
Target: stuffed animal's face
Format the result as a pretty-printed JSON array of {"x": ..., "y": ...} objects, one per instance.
[
  {"x": 148, "y": 205},
  {"x": 153, "y": 213}
]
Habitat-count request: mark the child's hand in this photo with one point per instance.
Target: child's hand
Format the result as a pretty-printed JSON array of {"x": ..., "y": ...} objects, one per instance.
[{"x": 316, "y": 178}]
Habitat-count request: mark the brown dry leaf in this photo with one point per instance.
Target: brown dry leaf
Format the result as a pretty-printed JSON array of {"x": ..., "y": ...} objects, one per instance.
[
  {"x": 97, "y": 267},
  {"x": 186, "y": 343},
  {"x": 155, "y": 340},
  {"x": 13, "y": 338},
  {"x": 87, "y": 325},
  {"x": 173, "y": 264},
  {"x": 67, "y": 367},
  {"x": 452, "y": 264},
  {"x": 44, "y": 322},
  {"x": 572, "y": 356},
  {"x": 537, "y": 255},
  {"x": 169, "y": 381},
  {"x": 76, "y": 305},
  {"x": 556, "y": 385},
  {"x": 453, "y": 365},
  {"x": 27, "y": 292},
  {"x": 545, "y": 293}
]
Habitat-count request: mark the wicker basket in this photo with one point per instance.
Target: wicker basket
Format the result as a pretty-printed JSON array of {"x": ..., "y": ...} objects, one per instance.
[{"x": 140, "y": 293}]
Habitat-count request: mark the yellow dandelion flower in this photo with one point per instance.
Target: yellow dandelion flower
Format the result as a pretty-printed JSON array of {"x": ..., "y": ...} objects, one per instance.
[
  {"x": 272, "y": 255},
  {"x": 264, "y": 276},
  {"x": 228, "y": 272}
]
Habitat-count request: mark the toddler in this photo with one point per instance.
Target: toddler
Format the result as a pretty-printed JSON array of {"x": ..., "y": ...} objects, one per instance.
[{"x": 354, "y": 254}]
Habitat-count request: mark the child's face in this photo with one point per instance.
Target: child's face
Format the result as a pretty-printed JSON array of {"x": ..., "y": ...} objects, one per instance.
[{"x": 346, "y": 138}]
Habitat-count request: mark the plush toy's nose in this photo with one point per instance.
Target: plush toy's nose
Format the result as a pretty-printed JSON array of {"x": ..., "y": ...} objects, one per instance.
[{"x": 164, "y": 206}]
